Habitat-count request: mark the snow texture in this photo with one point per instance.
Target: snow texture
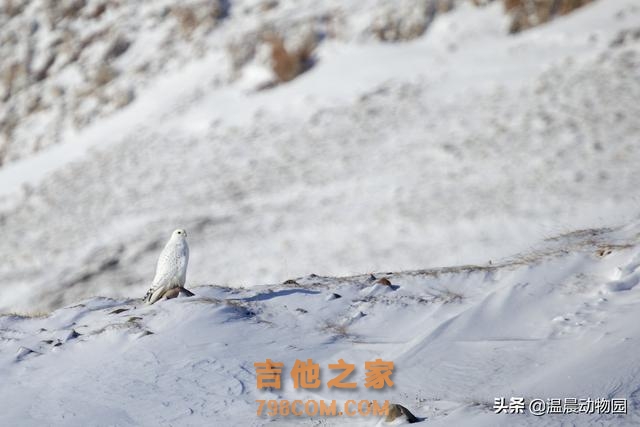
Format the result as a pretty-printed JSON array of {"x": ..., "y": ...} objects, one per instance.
[
  {"x": 542, "y": 324},
  {"x": 460, "y": 146},
  {"x": 407, "y": 140}
]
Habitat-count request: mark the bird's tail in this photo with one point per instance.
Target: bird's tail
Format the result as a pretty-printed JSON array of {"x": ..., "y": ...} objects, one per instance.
[
  {"x": 186, "y": 291},
  {"x": 147, "y": 297}
]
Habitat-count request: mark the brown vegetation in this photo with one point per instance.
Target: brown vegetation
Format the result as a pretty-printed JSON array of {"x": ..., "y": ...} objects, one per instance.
[
  {"x": 197, "y": 14},
  {"x": 529, "y": 13},
  {"x": 287, "y": 64}
]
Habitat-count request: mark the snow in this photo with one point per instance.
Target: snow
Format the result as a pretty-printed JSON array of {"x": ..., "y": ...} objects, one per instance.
[
  {"x": 461, "y": 146},
  {"x": 429, "y": 162},
  {"x": 540, "y": 325}
]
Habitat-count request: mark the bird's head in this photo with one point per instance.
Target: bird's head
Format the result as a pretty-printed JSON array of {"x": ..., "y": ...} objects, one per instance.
[{"x": 180, "y": 232}]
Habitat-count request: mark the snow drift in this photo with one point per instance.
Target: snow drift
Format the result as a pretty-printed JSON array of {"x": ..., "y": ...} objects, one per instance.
[{"x": 558, "y": 321}]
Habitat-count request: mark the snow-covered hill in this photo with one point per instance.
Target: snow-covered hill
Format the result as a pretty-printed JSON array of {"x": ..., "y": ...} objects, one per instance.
[
  {"x": 463, "y": 145},
  {"x": 69, "y": 63},
  {"x": 327, "y": 137},
  {"x": 559, "y": 321}
]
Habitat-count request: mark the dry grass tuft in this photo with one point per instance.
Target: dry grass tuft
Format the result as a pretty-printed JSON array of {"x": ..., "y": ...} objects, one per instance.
[
  {"x": 104, "y": 74},
  {"x": 193, "y": 15},
  {"x": 27, "y": 315},
  {"x": 287, "y": 64},
  {"x": 445, "y": 296},
  {"x": 529, "y": 13},
  {"x": 450, "y": 297},
  {"x": 337, "y": 329}
]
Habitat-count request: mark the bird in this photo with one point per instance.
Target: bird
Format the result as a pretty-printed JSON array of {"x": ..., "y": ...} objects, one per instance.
[{"x": 171, "y": 270}]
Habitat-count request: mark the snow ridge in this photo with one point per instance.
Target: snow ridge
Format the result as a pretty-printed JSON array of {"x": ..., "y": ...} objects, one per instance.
[{"x": 543, "y": 324}]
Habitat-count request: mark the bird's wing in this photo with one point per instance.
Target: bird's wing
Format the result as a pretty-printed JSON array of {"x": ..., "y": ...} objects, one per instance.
[
  {"x": 166, "y": 269},
  {"x": 167, "y": 265}
]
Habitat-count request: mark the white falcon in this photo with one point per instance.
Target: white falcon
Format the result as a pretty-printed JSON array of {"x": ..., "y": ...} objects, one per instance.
[{"x": 171, "y": 270}]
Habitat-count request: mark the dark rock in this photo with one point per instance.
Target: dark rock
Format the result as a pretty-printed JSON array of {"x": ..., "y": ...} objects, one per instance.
[{"x": 397, "y": 411}]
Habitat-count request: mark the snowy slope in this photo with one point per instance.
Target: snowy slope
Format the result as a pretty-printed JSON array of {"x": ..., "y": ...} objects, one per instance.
[
  {"x": 461, "y": 146},
  {"x": 71, "y": 63},
  {"x": 558, "y": 321}
]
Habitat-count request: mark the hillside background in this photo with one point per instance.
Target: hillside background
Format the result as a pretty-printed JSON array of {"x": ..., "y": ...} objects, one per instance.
[{"x": 292, "y": 138}]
